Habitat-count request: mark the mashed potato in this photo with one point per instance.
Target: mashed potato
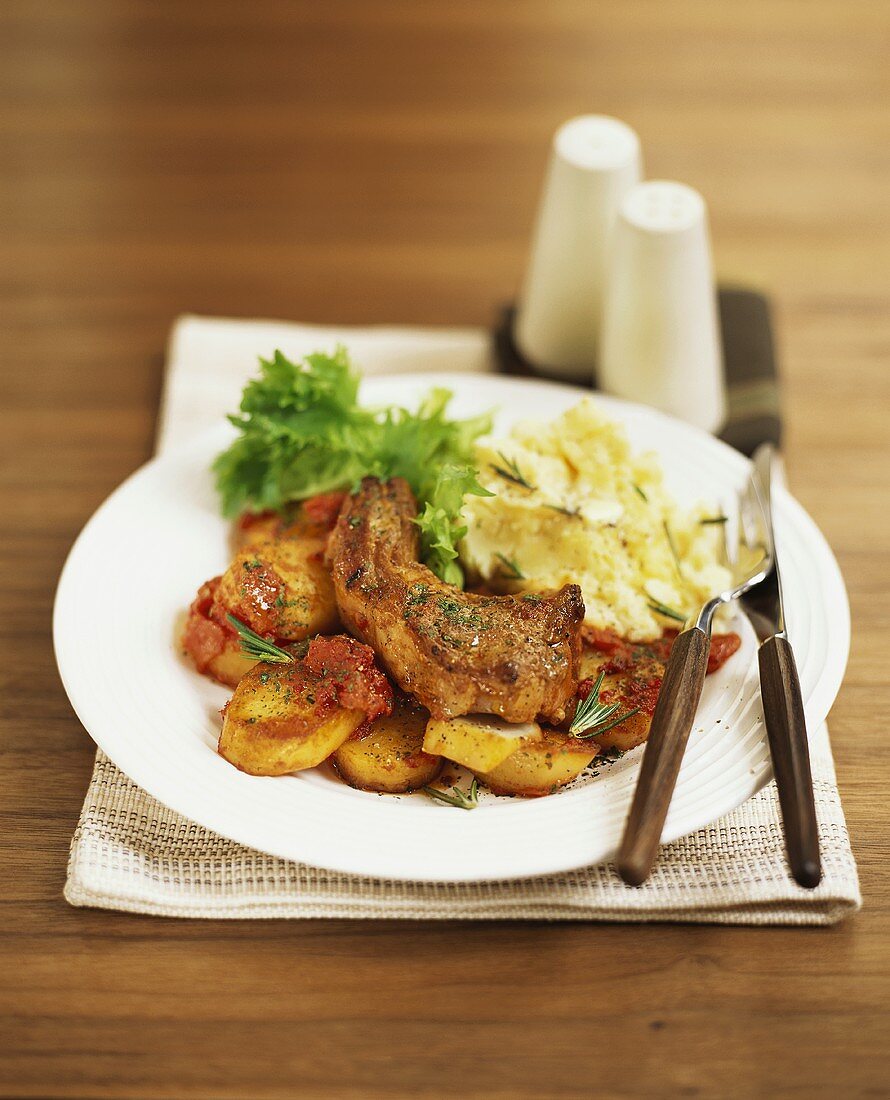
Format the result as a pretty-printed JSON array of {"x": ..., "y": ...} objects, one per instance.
[{"x": 574, "y": 504}]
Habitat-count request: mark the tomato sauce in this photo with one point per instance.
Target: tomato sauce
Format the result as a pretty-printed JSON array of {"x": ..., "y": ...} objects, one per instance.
[
  {"x": 346, "y": 671},
  {"x": 624, "y": 654},
  {"x": 324, "y": 508},
  {"x": 206, "y": 629}
]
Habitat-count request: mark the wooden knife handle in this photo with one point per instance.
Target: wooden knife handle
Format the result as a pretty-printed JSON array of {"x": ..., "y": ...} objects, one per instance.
[
  {"x": 787, "y": 730},
  {"x": 675, "y": 710}
]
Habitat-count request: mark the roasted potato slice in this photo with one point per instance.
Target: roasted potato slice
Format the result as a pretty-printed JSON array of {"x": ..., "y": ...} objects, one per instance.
[
  {"x": 541, "y": 766},
  {"x": 634, "y": 687},
  {"x": 281, "y": 589},
  {"x": 387, "y": 754},
  {"x": 478, "y": 741},
  {"x": 313, "y": 518},
  {"x": 210, "y": 640},
  {"x": 287, "y": 717},
  {"x": 255, "y": 527}
]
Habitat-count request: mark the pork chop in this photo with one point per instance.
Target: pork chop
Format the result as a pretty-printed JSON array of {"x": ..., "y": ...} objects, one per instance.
[{"x": 457, "y": 652}]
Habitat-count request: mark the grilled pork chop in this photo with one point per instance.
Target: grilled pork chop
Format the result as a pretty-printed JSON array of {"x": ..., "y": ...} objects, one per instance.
[{"x": 457, "y": 652}]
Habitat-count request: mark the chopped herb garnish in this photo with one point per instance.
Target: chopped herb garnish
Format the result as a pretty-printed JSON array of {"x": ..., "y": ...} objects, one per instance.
[
  {"x": 510, "y": 472},
  {"x": 713, "y": 519},
  {"x": 418, "y": 594},
  {"x": 260, "y": 649},
  {"x": 462, "y": 800},
  {"x": 511, "y": 570},
  {"x": 255, "y": 564},
  {"x": 593, "y": 717},
  {"x": 354, "y": 521},
  {"x": 570, "y": 512},
  {"x": 668, "y": 612},
  {"x": 640, "y": 493},
  {"x": 456, "y": 613},
  {"x": 673, "y": 547}
]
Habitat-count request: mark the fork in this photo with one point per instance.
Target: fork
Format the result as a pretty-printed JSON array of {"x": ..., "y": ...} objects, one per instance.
[{"x": 750, "y": 560}]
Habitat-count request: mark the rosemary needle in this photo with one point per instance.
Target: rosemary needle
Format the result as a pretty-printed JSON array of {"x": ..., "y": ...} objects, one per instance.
[
  {"x": 462, "y": 800},
  {"x": 668, "y": 612},
  {"x": 673, "y": 548},
  {"x": 512, "y": 570},
  {"x": 510, "y": 471},
  {"x": 258, "y": 648},
  {"x": 593, "y": 717}
]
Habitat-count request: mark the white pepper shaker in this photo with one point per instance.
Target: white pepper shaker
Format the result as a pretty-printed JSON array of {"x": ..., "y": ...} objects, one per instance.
[
  {"x": 594, "y": 162},
  {"x": 660, "y": 339}
]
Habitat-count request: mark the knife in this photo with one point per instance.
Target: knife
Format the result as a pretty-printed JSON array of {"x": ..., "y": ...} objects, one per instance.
[{"x": 782, "y": 703}]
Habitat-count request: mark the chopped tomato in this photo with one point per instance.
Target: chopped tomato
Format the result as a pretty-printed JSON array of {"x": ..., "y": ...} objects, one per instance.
[
  {"x": 204, "y": 636},
  {"x": 722, "y": 648},
  {"x": 624, "y": 655},
  {"x": 324, "y": 508},
  {"x": 348, "y": 672}
]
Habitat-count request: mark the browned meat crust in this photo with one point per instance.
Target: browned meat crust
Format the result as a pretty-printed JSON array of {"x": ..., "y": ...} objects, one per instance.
[{"x": 457, "y": 652}]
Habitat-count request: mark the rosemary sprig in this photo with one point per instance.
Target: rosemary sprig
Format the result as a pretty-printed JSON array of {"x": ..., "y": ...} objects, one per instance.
[
  {"x": 706, "y": 520},
  {"x": 593, "y": 717},
  {"x": 570, "y": 512},
  {"x": 260, "y": 649},
  {"x": 640, "y": 493},
  {"x": 668, "y": 612},
  {"x": 462, "y": 800},
  {"x": 510, "y": 470},
  {"x": 513, "y": 572},
  {"x": 616, "y": 721},
  {"x": 673, "y": 547}
]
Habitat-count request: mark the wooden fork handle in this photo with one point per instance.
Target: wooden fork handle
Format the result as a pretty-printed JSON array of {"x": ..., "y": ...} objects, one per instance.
[
  {"x": 787, "y": 730},
  {"x": 675, "y": 710}
]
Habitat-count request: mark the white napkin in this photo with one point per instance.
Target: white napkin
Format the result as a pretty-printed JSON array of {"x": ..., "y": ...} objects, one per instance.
[{"x": 132, "y": 853}]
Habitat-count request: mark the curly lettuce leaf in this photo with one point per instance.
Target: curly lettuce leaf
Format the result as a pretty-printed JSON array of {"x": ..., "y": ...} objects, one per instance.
[
  {"x": 302, "y": 432},
  {"x": 440, "y": 522}
]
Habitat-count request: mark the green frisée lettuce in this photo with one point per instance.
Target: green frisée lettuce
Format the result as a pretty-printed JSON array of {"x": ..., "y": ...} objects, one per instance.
[
  {"x": 302, "y": 432},
  {"x": 441, "y": 527}
]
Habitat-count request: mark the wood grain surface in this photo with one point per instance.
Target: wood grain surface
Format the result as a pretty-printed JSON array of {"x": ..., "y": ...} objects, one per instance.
[{"x": 358, "y": 162}]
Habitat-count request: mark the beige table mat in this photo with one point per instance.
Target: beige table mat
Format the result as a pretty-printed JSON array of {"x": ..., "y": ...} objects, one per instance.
[{"x": 132, "y": 853}]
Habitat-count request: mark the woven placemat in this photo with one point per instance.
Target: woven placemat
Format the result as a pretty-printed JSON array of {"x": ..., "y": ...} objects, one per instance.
[{"x": 132, "y": 853}]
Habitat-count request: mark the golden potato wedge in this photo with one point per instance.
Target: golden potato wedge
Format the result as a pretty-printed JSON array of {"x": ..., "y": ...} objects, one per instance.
[
  {"x": 633, "y": 731},
  {"x": 253, "y": 527},
  {"x": 312, "y": 518},
  {"x": 210, "y": 640},
  {"x": 478, "y": 741},
  {"x": 273, "y": 724},
  {"x": 230, "y": 664},
  {"x": 281, "y": 589},
  {"x": 387, "y": 754},
  {"x": 634, "y": 687},
  {"x": 539, "y": 767},
  {"x": 287, "y": 717}
]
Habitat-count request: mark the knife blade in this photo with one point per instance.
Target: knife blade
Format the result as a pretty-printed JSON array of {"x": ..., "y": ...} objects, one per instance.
[{"x": 783, "y": 709}]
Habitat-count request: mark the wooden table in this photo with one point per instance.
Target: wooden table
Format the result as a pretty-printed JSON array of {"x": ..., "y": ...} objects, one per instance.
[{"x": 364, "y": 162}]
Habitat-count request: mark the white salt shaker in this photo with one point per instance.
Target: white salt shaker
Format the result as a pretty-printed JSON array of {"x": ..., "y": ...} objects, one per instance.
[
  {"x": 660, "y": 337},
  {"x": 594, "y": 162}
]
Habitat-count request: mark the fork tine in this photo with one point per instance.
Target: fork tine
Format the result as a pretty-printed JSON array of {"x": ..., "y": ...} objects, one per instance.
[
  {"x": 752, "y": 527},
  {"x": 728, "y": 547}
]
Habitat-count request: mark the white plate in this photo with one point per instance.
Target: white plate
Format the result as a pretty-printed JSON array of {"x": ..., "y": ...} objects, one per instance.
[{"x": 136, "y": 566}]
